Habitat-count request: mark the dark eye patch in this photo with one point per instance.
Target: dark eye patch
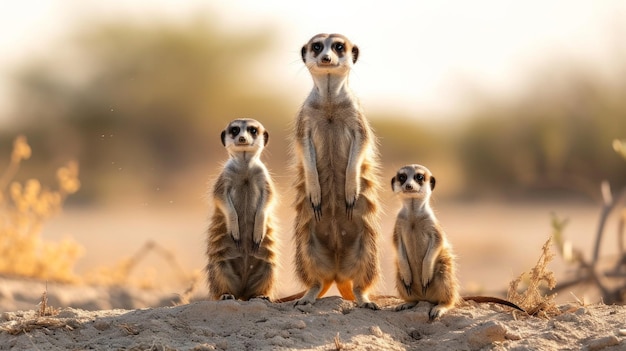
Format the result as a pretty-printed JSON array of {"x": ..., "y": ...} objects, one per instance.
[
  {"x": 419, "y": 178},
  {"x": 234, "y": 131},
  {"x": 317, "y": 47},
  {"x": 253, "y": 131},
  {"x": 402, "y": 177},
  {"x": 339, "y": 47}
]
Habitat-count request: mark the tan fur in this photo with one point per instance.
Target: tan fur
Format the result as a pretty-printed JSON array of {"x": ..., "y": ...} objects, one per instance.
[
  {"x": 425, "y": 264},
  {"x": 336, "y": 226},
  {"x": 241, "y": 245}
]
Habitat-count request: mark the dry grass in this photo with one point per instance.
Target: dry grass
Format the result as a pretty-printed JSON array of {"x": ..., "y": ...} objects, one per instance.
[
  {"x": 532, "y": 299},
  {"x": 23, "y": 210},
  {"x": 45, "y": 310}
]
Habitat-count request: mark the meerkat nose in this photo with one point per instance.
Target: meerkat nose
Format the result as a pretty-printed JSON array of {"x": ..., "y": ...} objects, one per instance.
[
  {"x": 242, "y": 139},
  {"x": 409, "y": 187},
  {"x": 326, "y": 59}
]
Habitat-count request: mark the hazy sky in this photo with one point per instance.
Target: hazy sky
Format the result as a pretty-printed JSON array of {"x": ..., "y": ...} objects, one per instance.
[{"x": 415, "y": 55}]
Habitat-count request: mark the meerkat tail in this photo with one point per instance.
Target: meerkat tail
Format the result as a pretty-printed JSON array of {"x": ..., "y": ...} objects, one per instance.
[
  {"x": 346, "y": 291},
  {"x": 489, "y": 299},
  {"x": 290, "y": 298},
  {"x": 301, "y": 294}
]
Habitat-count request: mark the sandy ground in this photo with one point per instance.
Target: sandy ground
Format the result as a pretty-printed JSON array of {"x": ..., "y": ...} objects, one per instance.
[
  {"x": 494, "y": 243},
  {"x": 330, "y": 324}
]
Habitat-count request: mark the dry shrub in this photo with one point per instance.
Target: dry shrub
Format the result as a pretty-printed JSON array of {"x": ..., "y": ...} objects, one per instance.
[
  {"x": 532, "y": 300},
  {"x": 23, "y": 210}
]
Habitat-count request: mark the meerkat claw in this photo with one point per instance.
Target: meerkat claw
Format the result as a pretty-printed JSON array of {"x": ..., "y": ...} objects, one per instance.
[
  {"x": 256, "y": 246},
  {"x": 317, "y": 209},
  {"x": 370, "y": 305},
  {"x": 227, "y": 296},
  {"x": 408, "y": 289},
  {"x": 237, "y": 242},
  {"x": 349, "y": 209}
]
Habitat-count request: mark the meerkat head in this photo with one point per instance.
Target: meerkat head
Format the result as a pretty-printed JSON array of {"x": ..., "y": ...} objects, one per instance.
[
  {"x": 413, "y": 181},
  {"x": 245, "y": 135},
  {"x": 329, "y": 53}
]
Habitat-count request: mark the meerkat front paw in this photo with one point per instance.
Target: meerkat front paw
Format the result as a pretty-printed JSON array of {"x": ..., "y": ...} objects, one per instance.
[
  {"x": 258, "y": 235},
  {"x": 315, "y": 196},
  {"x": 234, "y": 234},
  {"x": 425, "y": 284},
  {"x": 352, "y": 194},
  {"x": 407, "y": 287}
]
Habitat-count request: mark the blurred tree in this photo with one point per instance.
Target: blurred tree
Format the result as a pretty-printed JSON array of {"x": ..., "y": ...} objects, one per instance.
[
  {"x": 555, "y": 139},
  {"x": 138, "y": 103}
]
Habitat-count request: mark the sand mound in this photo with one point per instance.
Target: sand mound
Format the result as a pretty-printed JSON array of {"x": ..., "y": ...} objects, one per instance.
[{"x": 330, "y": 324}]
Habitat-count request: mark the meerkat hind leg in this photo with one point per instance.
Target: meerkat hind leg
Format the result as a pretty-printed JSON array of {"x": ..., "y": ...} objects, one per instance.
[
  {"x": 314, "y": 292},
  {"x": 363, "y": 301},
  {"x": 437, "y": 311}
]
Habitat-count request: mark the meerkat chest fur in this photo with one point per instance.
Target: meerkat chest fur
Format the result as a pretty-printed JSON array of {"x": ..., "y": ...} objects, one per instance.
[
  {"x": 245, "y": 178},
  {"x": 419, "y": 228}
]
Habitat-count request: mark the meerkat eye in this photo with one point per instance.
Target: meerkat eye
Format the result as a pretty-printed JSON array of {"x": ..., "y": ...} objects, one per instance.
[
  {"x": 317, "y": 47},
  {"x": 339, "y": 47},
  {"x": 234, "y": 130},
  {"x": 419, "y": 177},
  {"x": 253, "y": 131},
  {"x": 402, "y": 177}
]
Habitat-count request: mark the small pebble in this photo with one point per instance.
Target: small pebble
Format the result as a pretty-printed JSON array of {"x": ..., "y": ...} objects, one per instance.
[
  {"x": 581, "y": 311},
  {"x": 101, "y": 325},
  {"x": 486, "y": 334},
  {"x": 599, "y": 344},
  {"x": 622, "y": 332},
  {"x": 375, "y": 330},
  {"x": 300, "y": 324}
]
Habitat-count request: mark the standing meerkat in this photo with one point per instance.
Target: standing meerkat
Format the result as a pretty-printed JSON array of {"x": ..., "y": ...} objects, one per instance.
[
  {"x": 240, "y": 246},
  {"x": 336, "y": 226},
  {"x": 425, "y": 262}
]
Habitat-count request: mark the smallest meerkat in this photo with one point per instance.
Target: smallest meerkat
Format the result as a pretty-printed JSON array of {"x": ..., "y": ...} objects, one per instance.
[
  {"x": 424, "y": 258},
  {"x": 240, "y": 242}
]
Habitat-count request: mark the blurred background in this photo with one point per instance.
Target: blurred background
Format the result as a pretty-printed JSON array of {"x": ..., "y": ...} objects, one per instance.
[{"x": 514, "y": 107}]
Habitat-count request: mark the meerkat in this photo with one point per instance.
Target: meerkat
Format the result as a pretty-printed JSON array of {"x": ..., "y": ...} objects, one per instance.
[
  {"x": 241, "y": 245},
  {"x": 336, "y": 226},
  {"x": 425, "y": 262}
]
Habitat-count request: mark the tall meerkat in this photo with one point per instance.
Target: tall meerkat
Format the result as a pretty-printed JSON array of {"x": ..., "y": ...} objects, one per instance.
[
  {"x": 336, "y": 227},
  {"x": 425, "y": 262},
  {"x": 240, "y": 246}
]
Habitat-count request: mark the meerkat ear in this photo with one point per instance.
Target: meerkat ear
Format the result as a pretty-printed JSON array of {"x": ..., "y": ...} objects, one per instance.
[
  {"x": 303, "y": 53},
  {"x": 224, "y": 137},
  {"x": 266, "y": 138},
  {"x": 432, "y": 183},
  {"x": 393, "y": 180},
  {"x": 355, "y": 53}
]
